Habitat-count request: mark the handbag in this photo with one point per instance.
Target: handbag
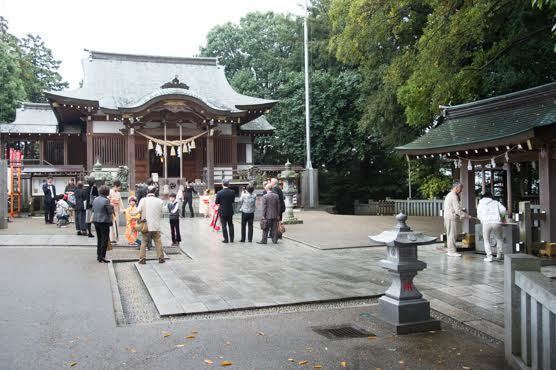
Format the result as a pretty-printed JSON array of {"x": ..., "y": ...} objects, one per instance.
[
  {"x": 141, "y": 224},
  {"x": 281, "y": 228}
]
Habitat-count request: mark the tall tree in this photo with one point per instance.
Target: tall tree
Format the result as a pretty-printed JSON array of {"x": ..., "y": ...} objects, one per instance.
[{"x": 12, "y": 90}]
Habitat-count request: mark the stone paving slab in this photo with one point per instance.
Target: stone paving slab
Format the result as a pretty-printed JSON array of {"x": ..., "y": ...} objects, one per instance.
[{"x": 236, "y": 276}]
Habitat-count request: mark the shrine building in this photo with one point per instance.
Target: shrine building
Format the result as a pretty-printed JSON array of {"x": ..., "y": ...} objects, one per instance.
[{"x": 168, "y": 117}]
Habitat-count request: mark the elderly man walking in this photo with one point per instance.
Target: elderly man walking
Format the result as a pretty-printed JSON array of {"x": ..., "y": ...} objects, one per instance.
[
  {"x": 150, "y": 208},
  {"x": 270, "y": 215},
  {"x": 452, "y": 214}
]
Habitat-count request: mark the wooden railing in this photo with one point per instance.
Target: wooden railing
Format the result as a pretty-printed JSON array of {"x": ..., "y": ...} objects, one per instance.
[
  {"x": 410, "y": 207},
  {"x": 530, "y": 314}
]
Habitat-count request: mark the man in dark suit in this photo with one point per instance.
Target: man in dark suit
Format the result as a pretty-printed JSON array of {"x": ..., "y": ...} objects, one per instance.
[
  {"x": 278, "y": 190},
  {"x": 270, "y": 215},
  {"x": 49, "y": 200},
  {"x": 188, "y": 198},
  {"x": 91, "y": 194},
  {"x": 225, "y": 198}
]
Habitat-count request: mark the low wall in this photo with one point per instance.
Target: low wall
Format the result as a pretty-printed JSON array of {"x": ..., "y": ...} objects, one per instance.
[{"x": 410, "y": 207}]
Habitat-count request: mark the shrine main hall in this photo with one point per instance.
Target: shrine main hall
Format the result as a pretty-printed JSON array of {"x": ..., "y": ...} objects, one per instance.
[{"x": 169, "y": 117}]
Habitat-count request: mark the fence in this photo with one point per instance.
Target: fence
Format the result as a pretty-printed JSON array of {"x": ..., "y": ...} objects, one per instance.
[
  {"x": 529, "y": 314},
  {"x": 410, "y": 207}
]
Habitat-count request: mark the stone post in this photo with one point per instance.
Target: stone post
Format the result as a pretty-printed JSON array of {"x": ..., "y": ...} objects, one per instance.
[
  {"x": 289, "y": 177},
  {"x": 403, "y": 306}
]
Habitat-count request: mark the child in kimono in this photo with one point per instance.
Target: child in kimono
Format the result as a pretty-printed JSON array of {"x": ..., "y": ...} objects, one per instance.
[
  {"x": 62, "y": 211},
  {"x": 204, "y": 204},
  {"x": 131, "y": 234}
]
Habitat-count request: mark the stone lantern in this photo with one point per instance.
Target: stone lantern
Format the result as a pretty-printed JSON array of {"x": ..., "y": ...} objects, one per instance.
[
  {"x": 402, "y": 305},
  {"x": 289, "y": 177}
]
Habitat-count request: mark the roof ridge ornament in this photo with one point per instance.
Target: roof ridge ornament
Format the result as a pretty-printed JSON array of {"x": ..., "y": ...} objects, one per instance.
[{"x": 175, "y": 84}]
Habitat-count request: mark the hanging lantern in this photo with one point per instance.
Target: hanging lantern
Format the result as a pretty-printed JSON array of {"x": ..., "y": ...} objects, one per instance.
[
  {"x": 151, "y": 147},
  {"x": 173, "y": 152},
  {"x": 469, "y": 166},
  {"x": 193, "y": 146}
]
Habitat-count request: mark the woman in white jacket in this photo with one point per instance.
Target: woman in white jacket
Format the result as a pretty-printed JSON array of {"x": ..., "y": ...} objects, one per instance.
[{"x": 492, "y": 214}]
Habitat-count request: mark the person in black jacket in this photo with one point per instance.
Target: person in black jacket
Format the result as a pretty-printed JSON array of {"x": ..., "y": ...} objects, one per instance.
[
  {"x": 225, "y": 199},
  {"x": 80, "y": 199},
  {"x": 91, "y": 194},
  {"x": 49, "y": 200},
  {"x": 276, "y": 189},
  {"x": 103, "y": 216},
  {"x": 188, "y": 198}
]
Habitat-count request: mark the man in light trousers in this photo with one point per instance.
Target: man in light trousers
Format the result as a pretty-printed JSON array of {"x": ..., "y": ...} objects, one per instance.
[
  {"x": 150, "y": 208},
  {"x": 491, "y": 213},
  {"x": 453, "y": 213}
]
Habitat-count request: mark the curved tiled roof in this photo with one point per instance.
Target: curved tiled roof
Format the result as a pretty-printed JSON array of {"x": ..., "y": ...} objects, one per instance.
[
  {"x": 502, "y": 119},
  {"x": 121, "y": 80}
]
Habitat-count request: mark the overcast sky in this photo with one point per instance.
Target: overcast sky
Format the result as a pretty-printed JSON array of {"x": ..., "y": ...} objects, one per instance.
[{"x": 163, "y": 27}]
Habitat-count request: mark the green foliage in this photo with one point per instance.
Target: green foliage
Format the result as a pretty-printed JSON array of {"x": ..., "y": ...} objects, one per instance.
[
  {"x": 435, "y": 187},
  {"x": 12, "y": 87},
  {"x": 27, "y": 68}
]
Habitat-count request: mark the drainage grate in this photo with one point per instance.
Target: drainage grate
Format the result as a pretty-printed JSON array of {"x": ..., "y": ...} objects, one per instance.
[{"x": 342, "y": 331}]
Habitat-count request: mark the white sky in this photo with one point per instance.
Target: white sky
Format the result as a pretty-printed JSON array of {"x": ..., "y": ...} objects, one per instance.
[{"x": 163, "y": 27}]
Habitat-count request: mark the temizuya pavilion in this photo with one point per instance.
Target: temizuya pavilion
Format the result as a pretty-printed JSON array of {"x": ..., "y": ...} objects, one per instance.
[{"x": 495, "y": 134}]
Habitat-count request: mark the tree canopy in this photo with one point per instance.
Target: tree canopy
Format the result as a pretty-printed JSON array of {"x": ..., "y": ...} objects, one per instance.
[{"x": 27, "y": 69}]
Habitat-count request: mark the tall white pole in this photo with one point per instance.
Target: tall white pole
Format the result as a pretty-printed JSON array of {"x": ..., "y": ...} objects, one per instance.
[
  {"x": 181, "y": 156},
  {"x": 308, "y": 165}
]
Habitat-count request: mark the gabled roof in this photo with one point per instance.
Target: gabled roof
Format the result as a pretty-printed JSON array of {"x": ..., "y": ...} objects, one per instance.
[
  {"x": 125, "y": 80},
  {"x": 32, "y": 118},
  {"x": 502, "y": 120},
  {"x": 258, "y": 125}
]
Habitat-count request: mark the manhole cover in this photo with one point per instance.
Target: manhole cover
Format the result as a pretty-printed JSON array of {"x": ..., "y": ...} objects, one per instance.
[{"x": 342, "y": 331}]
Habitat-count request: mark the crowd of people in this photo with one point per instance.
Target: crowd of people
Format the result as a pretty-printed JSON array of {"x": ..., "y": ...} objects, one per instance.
[{"x": 88, "y": 206}]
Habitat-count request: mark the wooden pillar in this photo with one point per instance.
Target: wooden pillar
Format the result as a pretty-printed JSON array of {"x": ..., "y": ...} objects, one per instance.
[
  {"x": 90, "y": 158},
  {"x": 547, "y": 196},
  {"x": 210, "y": 160},
  {"x": 180, "y": 149},
  {"x": 165, "y": 157},
  {"x": 467, "y": 178},
  {"x": 131, "y": 157},
  {"x": 509, "y": 195},
  {"x": 233, "y": 154},
  {"x": 65, "y": 149},
  {"x": 41, "y": 150}
]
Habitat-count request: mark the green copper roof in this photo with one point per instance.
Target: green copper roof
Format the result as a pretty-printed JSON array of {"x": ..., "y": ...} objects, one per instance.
[{"x": 501, "y": 120}]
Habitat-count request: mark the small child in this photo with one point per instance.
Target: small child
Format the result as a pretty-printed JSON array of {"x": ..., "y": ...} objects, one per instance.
[
  {"x": 204, "y": 203},
  {"x": 131, "y": 234},
  {"x": 173, "y": 209},
  {"x": 62, "y": 211}
]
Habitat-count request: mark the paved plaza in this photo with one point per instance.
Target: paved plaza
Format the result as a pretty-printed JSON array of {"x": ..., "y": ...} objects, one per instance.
[{"x": 235, "y": 291}]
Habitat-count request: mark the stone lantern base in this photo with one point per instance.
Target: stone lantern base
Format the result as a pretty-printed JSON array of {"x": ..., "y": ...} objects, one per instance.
[{"x": 407, "y": 317}]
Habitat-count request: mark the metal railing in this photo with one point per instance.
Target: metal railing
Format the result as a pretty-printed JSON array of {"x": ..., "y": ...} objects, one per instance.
[
  {"x": 530, "y": 314},
  {"x": 410, "y": 207}
]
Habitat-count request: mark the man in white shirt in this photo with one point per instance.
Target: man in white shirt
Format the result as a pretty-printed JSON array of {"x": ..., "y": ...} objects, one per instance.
[
  {"x": 491, "y": 213},
  {"x": 150, "y": 208},
  {"x": 453, "y": 213}
]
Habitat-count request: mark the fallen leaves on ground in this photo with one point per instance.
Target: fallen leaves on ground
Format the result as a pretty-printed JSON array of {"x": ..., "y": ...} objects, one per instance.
[
  {"x": 190, "y": 337},
  {"x": 291, "y": 360},
  {"x": 371, "y": 337},
  {"x": 343, "y": 364},
  {"x": 166, "y": 334},
  {"x": 228, "y": 343},
  {"x": 226, "y": 363},
  {"x": 208, "y": 362},
  {"x": 72, "y": 364},
  {"x": 260, "y": 333},
  {"x": 401, "y": 362},
  {"x": 131, "y": 349},
  {"x": 194, "y": 332},
  {"x": 180, "y": 345},
  {"x": 304, "y": 362},
  {"x": 318, "y": 366}
]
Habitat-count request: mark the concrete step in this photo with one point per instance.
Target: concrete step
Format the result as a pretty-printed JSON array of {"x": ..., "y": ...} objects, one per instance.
[{"x": 165, "y": 301}]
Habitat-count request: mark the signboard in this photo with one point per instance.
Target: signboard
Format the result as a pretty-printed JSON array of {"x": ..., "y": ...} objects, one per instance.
[
  {"x": 154, "y": 176},
  {"x": 59, "y": 182}
]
